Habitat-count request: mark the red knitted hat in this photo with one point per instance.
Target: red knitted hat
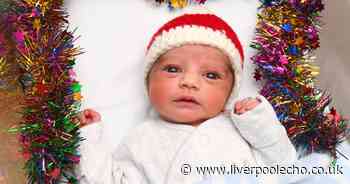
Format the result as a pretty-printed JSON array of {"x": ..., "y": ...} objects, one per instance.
[{"x": 198, "y": 27}]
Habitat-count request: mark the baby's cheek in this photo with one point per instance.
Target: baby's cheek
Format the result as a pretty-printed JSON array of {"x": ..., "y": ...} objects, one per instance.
[
  {"x": 216, "y": 101},
  {"x": 155, "y": 96},
  {"x": 160, "y": 92}
]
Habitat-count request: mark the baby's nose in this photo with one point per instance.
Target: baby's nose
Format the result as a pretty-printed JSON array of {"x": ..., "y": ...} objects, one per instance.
[{"x": 190, "y": 80}]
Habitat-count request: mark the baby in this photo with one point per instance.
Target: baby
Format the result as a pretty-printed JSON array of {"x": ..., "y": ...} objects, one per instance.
[{"x": 193, "y": 70}]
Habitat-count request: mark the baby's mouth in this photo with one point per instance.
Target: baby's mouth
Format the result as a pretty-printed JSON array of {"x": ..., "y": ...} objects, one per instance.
[{"x": 187, "y": 99}]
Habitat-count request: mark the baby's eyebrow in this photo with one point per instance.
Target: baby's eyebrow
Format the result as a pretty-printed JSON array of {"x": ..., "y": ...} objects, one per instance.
[
  {"x": 218, "y": 67},
  {"x": 227, "y": 69},
  {"x": 165, "y": 59}
]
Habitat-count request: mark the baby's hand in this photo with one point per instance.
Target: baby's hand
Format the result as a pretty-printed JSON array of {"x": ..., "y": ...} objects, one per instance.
[
  {"x": 246, "y": 104},
  {"x": 88, "y": 116}
]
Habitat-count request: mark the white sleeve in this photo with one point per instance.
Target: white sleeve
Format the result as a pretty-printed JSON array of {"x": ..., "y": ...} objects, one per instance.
[
  {"x": 125, "y": 169},
  {"x": 119, "y": 167},
  {"x": 93, "y": 154},
  {"x": 266, "y": 135}
]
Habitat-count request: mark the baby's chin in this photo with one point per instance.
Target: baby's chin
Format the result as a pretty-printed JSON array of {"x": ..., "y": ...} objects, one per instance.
[{"x": 186, "y": 119}]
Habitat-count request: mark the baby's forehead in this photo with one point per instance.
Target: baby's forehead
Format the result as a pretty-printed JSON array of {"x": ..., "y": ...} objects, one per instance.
[{"x": 196, "y": 54}]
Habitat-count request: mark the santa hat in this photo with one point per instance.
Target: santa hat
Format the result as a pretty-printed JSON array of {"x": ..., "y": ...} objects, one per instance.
[{"x": 198, "y": 26}]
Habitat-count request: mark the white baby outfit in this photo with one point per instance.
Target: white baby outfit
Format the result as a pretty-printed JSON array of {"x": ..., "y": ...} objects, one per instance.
[{"x": 156, "y": 151}]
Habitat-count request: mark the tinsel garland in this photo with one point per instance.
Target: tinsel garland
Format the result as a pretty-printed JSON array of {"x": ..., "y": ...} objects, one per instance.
[{"x": 36, "y": 49}]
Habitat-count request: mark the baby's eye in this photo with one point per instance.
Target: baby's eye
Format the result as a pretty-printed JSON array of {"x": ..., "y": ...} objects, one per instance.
[
  {"x": 171, "y": 69},
  {"x": 212, "y": 75}
]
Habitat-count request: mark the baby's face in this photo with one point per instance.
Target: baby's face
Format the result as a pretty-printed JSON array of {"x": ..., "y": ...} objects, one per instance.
[{"x": 190, "y": 84}]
